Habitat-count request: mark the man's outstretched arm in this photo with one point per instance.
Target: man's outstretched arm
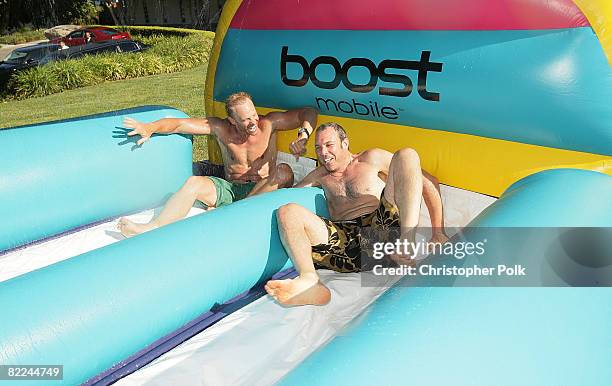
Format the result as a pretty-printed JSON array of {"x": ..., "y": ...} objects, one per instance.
[
  {"x": 305, "y": 117},
  {"x": 194, "y": 126}
]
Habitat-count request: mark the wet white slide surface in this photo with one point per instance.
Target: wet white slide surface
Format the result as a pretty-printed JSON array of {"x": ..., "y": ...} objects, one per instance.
[{"x": 258, "y": 344}]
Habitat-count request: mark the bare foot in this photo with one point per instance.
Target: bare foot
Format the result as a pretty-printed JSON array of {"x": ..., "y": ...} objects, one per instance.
[
  {"x": 300, "y": 291},
  {"x": 129, "y": 228},
  {"x": 406, "y": 256},
  {"x": 439, "y": 237},
  {"x": 403, "y": 260}
]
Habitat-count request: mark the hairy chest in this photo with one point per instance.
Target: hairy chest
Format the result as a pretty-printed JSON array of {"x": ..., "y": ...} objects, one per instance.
[{"x": 356, "y": 182}]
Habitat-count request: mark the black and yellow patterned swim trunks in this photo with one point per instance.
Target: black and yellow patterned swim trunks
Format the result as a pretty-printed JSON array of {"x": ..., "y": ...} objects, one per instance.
[{"x": 342, "y": 252}]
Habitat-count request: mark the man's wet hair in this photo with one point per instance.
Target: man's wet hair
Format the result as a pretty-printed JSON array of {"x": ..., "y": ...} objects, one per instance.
[
  {"x": 234, "y": 100},
  {"x": 339, "y": 129}
]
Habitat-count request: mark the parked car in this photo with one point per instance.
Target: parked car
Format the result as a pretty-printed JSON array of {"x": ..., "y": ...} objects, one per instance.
[
  {"x": 99, "y": 48},
  {"x": 27, "y": 57},
  {"x": 97, "y": 34}
]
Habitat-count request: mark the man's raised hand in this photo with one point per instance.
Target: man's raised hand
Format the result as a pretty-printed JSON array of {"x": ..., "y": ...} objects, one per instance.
[
  {"x": 298, "y": 147},
  {"x": 140, "y": 128}
]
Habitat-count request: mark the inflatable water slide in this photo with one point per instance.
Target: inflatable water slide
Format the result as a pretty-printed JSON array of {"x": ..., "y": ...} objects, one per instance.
[{"x": 507, "y": 103}]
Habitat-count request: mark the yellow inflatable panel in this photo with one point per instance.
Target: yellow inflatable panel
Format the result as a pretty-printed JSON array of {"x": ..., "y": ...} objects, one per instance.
[{"x": 599, "y": 13}]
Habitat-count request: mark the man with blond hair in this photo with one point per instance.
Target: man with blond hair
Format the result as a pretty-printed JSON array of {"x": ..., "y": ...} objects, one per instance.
[{"x": 248, "y": 148}]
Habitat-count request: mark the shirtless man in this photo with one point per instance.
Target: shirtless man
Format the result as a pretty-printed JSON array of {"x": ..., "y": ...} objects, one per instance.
[
  {"x": 248, "y": 148},
  {"x": 357, "y": 197}
]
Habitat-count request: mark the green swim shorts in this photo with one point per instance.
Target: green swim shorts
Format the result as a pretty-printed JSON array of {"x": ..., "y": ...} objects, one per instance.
[{"x": 228, "y": 192}]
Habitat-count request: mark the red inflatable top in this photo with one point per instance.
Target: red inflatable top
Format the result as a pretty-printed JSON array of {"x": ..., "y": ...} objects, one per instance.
[{"x": 408, "y": 15}]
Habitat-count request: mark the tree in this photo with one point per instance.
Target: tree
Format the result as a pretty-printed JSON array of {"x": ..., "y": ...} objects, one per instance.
[{"x": 15, "y": 14}]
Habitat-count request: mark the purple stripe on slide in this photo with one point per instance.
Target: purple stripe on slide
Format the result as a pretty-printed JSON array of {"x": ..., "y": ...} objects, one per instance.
[
  {"x": 65, "y": 233},
  {"x": 71, "y": 231},
  {"x": 188, "y": 331}
]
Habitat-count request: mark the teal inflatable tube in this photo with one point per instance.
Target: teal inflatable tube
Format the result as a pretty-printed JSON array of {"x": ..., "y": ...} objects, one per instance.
[
  {"x": 486, "y": 336},
  {"x": 94, "y": 310},
  {"x": 61, "y": 175},
  {"x": 553, "y": 198}
]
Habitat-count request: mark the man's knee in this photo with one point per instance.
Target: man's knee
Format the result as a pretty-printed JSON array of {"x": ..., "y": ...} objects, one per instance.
[
  {"x": 288, "y": 213},
  {"x": 406, "y": 155},
  {"x": 283, "y": 176},
  {"x": 198, "y": 185}
]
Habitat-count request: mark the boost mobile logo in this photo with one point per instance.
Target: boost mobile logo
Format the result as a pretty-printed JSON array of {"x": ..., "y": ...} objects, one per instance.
[{"x": 376, "y": 72}]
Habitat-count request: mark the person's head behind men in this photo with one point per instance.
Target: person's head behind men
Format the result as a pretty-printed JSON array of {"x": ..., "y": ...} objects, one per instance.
[
  {"x": 332, "y": 146},
  {"x": 241, "y": 113}
]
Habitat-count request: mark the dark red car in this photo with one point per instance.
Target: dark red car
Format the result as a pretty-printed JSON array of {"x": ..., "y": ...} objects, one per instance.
[{"x": 90, "y": 35}]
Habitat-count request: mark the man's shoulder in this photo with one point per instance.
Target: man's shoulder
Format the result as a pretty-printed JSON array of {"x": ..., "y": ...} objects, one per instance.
[
  {"x": 318, "y": 174},
  {"x": 314, "y": 178},
  {"x": 223, "y": 122},
  {"x": 266, "y": 121},
  {"x": 321, "y": 171},
  {"x": 221, "y": 127}
]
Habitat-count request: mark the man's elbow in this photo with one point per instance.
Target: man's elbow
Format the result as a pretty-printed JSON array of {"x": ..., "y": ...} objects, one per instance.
[{"x": 310, "y": 114}]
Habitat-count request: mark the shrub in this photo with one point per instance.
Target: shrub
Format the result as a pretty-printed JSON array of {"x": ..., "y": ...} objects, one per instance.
[
  {"x": 161, "y": 31},
  {"x": 36, "y": 83},
  {"x": 167, "y": 54}
]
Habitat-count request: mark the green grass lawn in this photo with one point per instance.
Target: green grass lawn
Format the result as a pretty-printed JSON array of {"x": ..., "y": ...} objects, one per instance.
[{"x": 181, "y": 90}]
